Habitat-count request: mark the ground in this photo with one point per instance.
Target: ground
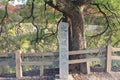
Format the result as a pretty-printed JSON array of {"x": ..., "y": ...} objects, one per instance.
[
  {"x": 98, "y": 73},
  {"x": 97, "y": 76}
]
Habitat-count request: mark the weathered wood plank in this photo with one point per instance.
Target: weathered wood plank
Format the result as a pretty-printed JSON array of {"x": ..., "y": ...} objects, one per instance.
[
  {"x": 40, "y": 63},
  {"x": 115, "y": 57},
  {"x": 18, "y": 65},
  {"x": 6, "y": 63},
  {"x": 115, "y": 49},
  {"x": 88, "y": 67},
  {"x": 109, "y": 59},
  {"x": 41, "y": 71},
  {"x": 86, "y": 60},
  {"x": 7, "y": 55},
  {"x": 5, "y": 78},
  {"x": 4, "y": 55},
  {"x": 40, "y": 54},
  {"x": 99, "y": 50}
]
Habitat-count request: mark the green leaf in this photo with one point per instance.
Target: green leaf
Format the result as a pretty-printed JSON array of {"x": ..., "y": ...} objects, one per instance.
[
  {"x": 4, "y": 2},
  {"x": 54, "y": 2}
]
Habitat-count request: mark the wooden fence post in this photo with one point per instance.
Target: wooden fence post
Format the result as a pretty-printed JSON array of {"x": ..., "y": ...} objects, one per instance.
[
  {"x": 88, "y": 67},
  {"x": 63, "y": 50},
  {"x": 18, "y": 65},
  {"x": 41, "y": 70},
  {"x": 109, "y": 59}
]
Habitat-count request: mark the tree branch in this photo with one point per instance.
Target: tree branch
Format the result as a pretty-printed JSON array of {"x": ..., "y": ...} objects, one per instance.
[
  {"x": 116, "y": 43},
  {"x": 115, "y": 15},
  {"x": 65, "y": 6},
  {"x": 106, "y": 18},
  {"x": 3, "y": 19}
]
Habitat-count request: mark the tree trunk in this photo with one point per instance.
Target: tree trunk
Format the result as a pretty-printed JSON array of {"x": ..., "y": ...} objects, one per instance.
[
  {"x": 76, "y": 33},
  {"x": 77, "y": 39},
  {"x": 76, "y": 29}
]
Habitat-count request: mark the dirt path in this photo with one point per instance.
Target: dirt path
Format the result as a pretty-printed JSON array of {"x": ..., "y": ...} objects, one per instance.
[
  {"x": 116, "y": 75},
  {"x": 98, "y": 76},
  {"x": 92, "y": 76}
]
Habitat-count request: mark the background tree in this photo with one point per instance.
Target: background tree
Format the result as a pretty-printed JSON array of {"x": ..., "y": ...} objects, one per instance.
[
  {"x": 74, "y": 9},
  {"x": 79, "y": 13}
]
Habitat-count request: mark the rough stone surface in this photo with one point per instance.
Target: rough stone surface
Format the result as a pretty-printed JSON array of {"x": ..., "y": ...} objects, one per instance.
[{"x": 63, "y": 49}]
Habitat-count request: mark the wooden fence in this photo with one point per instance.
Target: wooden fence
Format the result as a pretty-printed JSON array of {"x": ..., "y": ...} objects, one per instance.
[
  {"x": 19, "y": 63},
  {"x": 109, "y": 57}
]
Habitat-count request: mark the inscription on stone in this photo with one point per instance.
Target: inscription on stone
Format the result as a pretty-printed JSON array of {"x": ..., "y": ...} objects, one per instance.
[{"x": 63, "y": 50}]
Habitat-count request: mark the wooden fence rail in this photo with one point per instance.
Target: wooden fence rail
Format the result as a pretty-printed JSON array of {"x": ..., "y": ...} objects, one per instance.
[
  {"x": 6, "y": 55},
  {"x": 109, "y": 57},
  {"x": 18, "y": 63}
]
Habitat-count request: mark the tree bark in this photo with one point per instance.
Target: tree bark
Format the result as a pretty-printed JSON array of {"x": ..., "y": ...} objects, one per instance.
[
  {"x": 77, "y": 39},
  {"x": 77, "y": 35}
]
